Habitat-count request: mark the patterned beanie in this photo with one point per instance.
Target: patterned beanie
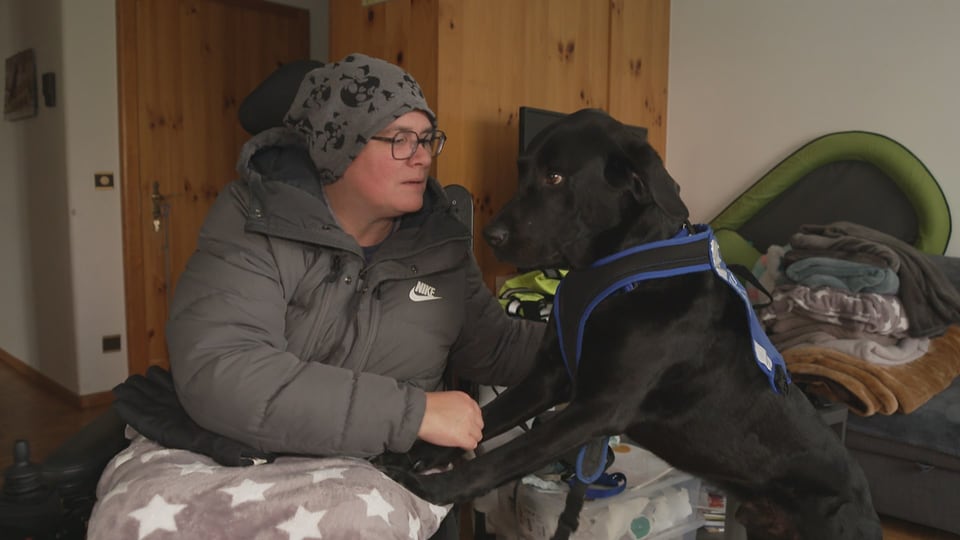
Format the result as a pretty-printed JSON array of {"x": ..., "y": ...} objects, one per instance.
[{"x": 339, "y": 106}]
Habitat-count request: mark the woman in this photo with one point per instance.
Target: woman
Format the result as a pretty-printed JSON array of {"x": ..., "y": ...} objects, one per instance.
[
  {"x": 331, "y": 285},
  {"x": 330, "y": 289}
]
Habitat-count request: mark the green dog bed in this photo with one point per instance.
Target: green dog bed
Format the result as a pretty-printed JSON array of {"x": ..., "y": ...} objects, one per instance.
[{"x": 855, "y": 176}]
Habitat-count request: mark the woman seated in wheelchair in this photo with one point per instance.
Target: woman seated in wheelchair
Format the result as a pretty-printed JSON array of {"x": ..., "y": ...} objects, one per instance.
[{"x": 331, "y": 288}]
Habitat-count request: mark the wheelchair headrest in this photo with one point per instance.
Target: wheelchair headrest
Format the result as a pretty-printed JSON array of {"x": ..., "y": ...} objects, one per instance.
[{"x": 266, "y": 105}]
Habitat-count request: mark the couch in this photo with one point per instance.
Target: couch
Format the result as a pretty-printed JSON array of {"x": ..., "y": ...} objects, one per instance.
[{"x": 907, "y": 442}]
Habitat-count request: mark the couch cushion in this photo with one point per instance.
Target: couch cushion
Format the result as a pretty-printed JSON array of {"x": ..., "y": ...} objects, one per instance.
[
  {"x": 927, "y": 435},
  {"x": 905, "y": 490}
]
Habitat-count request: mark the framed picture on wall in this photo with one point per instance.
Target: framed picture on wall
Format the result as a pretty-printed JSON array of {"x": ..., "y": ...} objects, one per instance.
[{"x": 20, "y": 89}]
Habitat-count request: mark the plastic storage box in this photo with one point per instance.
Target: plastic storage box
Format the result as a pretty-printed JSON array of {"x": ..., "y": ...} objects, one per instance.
[{"x": 659, "y": 503}]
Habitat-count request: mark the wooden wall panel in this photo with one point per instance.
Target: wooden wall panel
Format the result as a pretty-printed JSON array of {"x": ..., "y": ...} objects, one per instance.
[
  {"x": 639, "y": 58},
  {"x": 401, "y": 31},
  {"x": 496, "y": 55},
  {"x": 354, "y": 28}
]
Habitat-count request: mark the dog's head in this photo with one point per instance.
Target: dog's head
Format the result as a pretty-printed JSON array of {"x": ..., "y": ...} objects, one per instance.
[{"x": 589, "y": 187}]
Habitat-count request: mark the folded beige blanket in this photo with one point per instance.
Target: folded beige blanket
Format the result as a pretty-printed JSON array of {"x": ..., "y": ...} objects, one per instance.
[{"x": 871, "y": 388}]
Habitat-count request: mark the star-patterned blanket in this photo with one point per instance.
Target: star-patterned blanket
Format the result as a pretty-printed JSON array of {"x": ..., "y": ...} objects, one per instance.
[{"x": 151, "y": 492}]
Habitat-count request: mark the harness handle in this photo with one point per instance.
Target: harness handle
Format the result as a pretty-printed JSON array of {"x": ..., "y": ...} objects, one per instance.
[{"x": 743, "y": 272}]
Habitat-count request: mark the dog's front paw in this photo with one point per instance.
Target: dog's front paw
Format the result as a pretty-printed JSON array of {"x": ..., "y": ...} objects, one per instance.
[
  {"x": 420, "y": 485},
  {"x": 392, "y": 460},
  {"x": 425, "y": 456}
]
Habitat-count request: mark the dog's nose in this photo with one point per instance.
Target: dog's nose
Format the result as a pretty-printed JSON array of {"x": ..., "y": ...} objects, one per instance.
[{"x": 496, "y": 234}]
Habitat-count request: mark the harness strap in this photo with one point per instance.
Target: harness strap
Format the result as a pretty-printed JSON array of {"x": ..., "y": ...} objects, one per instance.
[
  {"x": 569, "y": 519},
  {"x": 582, "y": 290},
  {"x": 609, "y": 484},
  {"x": 744, "y": 273},
  {"x": 592, "y": 460}
]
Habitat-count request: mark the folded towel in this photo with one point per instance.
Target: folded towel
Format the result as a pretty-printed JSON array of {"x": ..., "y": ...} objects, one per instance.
[
  {"x": 902, "y": 352},
  {"x": 813, "y": 242},
  {"x": 841, "y": 274},
  {"x": 871, "y": 388},
  {"x": 864, "y": 312},
  {"x": 931, "y": 301}
]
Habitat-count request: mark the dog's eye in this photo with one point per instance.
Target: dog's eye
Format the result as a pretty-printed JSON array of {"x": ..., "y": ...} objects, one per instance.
[{"x": 553, "y": 179}]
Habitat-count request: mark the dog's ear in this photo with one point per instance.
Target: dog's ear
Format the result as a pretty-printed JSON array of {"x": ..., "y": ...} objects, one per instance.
[
  {"x": 766, "y": 520},
  {"x": 638, "y": 165}
]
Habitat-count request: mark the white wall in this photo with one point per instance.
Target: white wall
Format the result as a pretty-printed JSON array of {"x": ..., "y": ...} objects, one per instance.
[
  {"x": 36, "y": 289},
  {"x": 61, "y": 285},
  {"x": 89, "y": 90},
  {"x": 752, "y": 80},
  {"x": 14, "y": 273}
]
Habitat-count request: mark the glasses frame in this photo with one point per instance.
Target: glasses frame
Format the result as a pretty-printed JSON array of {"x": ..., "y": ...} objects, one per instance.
[{"x": 429, "y": 142}]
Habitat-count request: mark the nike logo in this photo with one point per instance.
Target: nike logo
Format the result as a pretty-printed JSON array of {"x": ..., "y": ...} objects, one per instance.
[{"x": 421, "y": 292}]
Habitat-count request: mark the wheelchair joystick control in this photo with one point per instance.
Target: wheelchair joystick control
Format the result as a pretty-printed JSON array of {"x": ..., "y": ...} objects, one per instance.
[
  {"x": 23, "y": 479},
  {"x": 29, "y": 508}
]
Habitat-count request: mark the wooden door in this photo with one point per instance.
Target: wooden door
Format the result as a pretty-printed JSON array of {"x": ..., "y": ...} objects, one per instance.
[{"x": 184, "y": 68}]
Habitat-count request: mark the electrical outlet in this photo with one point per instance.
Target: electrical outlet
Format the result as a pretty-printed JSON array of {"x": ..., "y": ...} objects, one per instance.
[
  {"x": 103, "y": 180},
  {"x": 111, "y": 343}
]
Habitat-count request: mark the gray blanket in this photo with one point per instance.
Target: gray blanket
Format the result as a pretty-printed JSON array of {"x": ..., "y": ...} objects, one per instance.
[{"x": 931, "y": 301}]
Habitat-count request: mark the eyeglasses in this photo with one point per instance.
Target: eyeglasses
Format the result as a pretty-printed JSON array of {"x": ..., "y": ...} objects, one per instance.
[{"x": 403, "y": 145}]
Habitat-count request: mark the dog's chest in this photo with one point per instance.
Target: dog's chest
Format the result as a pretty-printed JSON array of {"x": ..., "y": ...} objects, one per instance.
[{"x": 690, "y": 252}]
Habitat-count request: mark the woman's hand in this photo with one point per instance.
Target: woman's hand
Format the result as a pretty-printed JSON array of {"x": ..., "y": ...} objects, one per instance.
[{"x": 451, "y": 419}]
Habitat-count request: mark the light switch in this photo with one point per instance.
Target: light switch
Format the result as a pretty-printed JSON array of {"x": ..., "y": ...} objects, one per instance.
[{"x": 103, "y": 180}]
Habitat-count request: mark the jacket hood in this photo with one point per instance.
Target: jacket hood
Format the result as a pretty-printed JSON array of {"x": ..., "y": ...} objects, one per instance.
[
  {"x": 279, "y": 152},
  {"x": 277, "y": 168}
]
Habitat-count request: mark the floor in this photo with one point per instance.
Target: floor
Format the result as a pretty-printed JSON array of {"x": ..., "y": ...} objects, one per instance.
[
  {"x": 892, "y": 530},
  {"x": 31, "y": 413}
]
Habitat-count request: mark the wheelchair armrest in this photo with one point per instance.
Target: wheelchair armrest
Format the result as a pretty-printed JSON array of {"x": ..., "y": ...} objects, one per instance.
[
  {"x": 54, "y": 499},
  {"x": 75, "y": 466}
]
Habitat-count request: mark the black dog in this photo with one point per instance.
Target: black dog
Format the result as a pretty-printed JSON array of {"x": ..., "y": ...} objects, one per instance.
[{"x": 670, "y": 363}]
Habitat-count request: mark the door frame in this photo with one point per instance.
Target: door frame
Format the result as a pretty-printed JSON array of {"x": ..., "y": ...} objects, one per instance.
[{"x": 130, "y": 207}]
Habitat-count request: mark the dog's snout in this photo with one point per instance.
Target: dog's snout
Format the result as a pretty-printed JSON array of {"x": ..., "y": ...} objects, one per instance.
[{"x": 496, "y": 234}]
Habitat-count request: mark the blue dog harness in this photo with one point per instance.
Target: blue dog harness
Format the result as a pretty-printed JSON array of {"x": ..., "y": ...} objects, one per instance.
[{"x": 581, "y": 291}]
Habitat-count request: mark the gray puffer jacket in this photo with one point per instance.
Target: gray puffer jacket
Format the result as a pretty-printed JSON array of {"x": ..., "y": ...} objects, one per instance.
[{"x": 283, "y": 336}]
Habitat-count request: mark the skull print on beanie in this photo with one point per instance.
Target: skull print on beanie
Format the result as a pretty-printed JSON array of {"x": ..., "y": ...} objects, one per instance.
[{"x": 339, "y": 106}]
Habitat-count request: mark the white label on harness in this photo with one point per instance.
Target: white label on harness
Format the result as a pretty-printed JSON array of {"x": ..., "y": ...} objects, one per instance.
[
  {"x": 721, "y": 268},
  {"x": 759, "y": 351},
  {"x": 762, "y": 355}
]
